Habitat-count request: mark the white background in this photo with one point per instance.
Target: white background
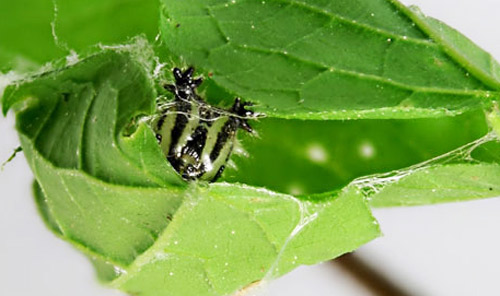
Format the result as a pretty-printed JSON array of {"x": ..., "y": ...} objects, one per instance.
[{"x": 448, "y": 249}]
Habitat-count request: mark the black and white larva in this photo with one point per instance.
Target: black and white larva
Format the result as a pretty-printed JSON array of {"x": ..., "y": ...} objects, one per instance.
[{"x": 198, "y": 138}]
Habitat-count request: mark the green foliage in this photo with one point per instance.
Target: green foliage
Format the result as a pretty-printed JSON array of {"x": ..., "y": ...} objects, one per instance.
[
  {"x": 34, "y": 32},
  {"x": 330, "y": 59},
  {"x": 367, "y": 102},
  {"x": 115, "y": 197}
]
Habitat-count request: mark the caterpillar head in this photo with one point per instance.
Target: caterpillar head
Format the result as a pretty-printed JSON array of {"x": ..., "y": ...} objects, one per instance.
[{"x": 185, "y": 85}]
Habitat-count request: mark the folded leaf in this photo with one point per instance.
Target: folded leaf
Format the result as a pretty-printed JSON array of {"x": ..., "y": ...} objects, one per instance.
[
  {"x": 426, "y": 94},
  {"x": 114, "y": 195}
]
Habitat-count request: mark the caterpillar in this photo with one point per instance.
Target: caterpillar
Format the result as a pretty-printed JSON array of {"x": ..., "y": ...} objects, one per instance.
[{"x": 196, "y": 137}]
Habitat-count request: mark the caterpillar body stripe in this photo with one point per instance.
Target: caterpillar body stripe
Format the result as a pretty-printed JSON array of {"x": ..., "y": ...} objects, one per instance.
[{"x": 195, "y": 137}]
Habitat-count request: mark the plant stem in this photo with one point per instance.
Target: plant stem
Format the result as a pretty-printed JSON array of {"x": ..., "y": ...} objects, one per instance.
[{"x": 371, "y": 278}]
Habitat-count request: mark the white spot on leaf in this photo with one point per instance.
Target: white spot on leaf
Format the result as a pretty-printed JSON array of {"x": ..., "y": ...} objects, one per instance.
[
  {"x": 366, "y": 150},
  {"x": 317, "y": 153}
]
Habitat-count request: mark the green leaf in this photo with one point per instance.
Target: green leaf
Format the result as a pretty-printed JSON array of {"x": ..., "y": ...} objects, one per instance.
[
  {"x": 313, "y": 156},
  {"x": 423, "y": 97},
  {"x": 460, "y": 48},
  {"x": 248, "y": 234},
  {"x": 38, "y": 31},
  {"x": 471, "y": 171},
  {"x": 79, "y": 116},
  {"x": 107, "y": 189},
  {"x": 440, "y": 183},
  {"x": 331, "y": 59},
  {"x": 313, "y": 60}
]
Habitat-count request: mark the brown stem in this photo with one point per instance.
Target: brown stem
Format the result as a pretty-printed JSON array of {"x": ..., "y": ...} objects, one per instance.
[{"x": 370, "y": 277}]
